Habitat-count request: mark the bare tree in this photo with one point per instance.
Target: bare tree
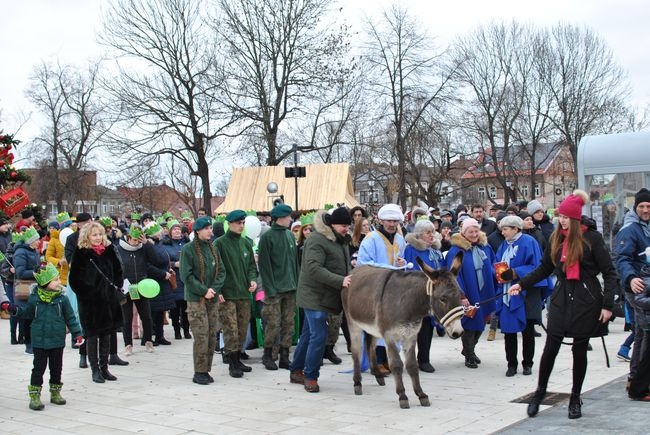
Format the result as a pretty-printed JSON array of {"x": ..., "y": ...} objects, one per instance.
[
  {"x": 409, "y": 81},
  {"x": 168, "y": 103},
  {"x": 586, "y": 82},
  {"x": 77, "y": 123},
  {"x": 278, "y": 54}
]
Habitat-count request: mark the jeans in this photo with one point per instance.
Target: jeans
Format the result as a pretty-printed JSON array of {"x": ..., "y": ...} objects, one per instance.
[{"x": 311, "y": 345}]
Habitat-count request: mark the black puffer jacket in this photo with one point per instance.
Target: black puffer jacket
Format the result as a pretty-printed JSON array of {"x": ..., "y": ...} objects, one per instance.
[{"x": 574, "y": 306}]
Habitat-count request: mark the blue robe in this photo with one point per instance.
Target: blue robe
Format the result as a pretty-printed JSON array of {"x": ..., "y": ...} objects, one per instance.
[{"x": 374, "y": 251}]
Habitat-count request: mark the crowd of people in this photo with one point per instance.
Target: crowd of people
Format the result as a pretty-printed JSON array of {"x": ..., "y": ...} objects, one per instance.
[{"x": 215, "y": 282}]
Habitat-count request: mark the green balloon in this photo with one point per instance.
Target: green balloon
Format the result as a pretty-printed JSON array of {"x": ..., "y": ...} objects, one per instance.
[{"x": 148, "y": 288}]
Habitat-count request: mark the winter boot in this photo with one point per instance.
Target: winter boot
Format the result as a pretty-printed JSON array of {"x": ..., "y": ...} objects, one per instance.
[
  {"x": 91, "y": 345},
  {"x": 114, "y": 360},
  {"x": 330, "y": 355},
  {"x": 575, "y": 406},
  {"x": 104, "y": 346},
  {"x": 538, "y": 397},
  {"x": 83, "y": 364},
  {"x": 177, "y": 333},
  {"x": 186, "y": 332},
  {"x": 35, "y": 397},
  {"x": 284, "y": 358},
  {"x": 267, "y": 359},
  {"x": 55, "y": 394},
  {"x": 243, "y": 367},
  {"x": 233, "y": 365},
  {"x": 225, "y": 357}
]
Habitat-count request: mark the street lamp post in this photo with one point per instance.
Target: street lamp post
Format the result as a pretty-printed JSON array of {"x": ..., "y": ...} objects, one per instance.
[{"x": 371, "y": 199}]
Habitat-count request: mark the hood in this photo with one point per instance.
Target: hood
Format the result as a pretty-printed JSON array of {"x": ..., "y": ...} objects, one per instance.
[
  {"x": 418, "y": 244},
  {"x": 631, "y": 218},
  {"x": 54, "y": 233},
  {"x": 322, "y": 228},
  {"x": 589, "y": 223},
  {"x": 545, "y": 218},
  {"x": 464, "y": 244},
  {"x": 22, "y": 245}
]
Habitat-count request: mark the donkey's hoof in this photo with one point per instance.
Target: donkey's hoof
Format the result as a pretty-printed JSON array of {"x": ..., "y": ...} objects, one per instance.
[
  {"x": 357, "y": 390},
  {"x": 404, "y": 404},
  {"x": 381, "y": 381},
  {"x": 424, "y": 401}
]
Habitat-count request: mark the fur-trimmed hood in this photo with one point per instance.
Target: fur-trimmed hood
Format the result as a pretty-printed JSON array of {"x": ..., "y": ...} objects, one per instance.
[
  {"x": 464, "y": 244},
  {"x": 322, "y": 228},
  {"x": 418, "y": 244}
]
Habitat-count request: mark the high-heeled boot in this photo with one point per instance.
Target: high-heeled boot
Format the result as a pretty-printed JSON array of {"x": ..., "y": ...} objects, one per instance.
[
  {"x": 538, "y": 397},
  {"x": 104, "y": 348},
  {"x": 575, "y": 406}
]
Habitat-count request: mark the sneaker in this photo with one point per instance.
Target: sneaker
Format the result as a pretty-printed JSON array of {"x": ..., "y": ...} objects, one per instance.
[
  {"x": 128, "y": 350},
  {"x": 623, "y": 356},
  {"x": 311, "y": 386},
  {"x": 148, "y": 346},
  {"x": 492, "y": 335},
  {"x": 297, "y": 377}
]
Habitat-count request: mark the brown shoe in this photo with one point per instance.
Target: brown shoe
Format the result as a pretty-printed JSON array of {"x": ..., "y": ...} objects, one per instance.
[
  {"x": 297, "y": 377},
  {"x": 381, "y": 371},
  {"x": 311, "y": 386}
]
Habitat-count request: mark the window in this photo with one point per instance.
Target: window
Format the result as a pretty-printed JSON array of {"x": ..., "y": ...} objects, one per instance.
[
  {"x": 53, "y": 210},
  {"x": 524, "y": 190},
  {"x": 493, "y": 192},
  {"x": 538, "y": 191},
  {"x": 481, "y": 193}
]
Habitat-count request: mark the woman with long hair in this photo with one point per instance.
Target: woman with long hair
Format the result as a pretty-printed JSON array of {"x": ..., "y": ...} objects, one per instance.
[
  {"x": 203, "y": 274},
  {"x": 579, "y": 307},
  {"x": 96, "y": 276}
]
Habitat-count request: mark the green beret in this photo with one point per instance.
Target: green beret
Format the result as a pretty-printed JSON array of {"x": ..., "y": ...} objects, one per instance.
[
  {"x": 280, "y": 211},
  {"x": 202, "y": 222},
  {"x": 236, "y": 215}
]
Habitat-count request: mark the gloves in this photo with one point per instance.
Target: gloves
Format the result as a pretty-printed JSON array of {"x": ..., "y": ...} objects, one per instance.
[
  {"x": 508, "y": 275},
  {"x": 9, "y": 307},
  {"x": 79, "y": 341}
]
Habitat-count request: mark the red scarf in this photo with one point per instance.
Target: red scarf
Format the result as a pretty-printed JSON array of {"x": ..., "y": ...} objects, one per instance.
[
  {"x": 98, "y": 249},
  {"x": 572, "y": 270}
]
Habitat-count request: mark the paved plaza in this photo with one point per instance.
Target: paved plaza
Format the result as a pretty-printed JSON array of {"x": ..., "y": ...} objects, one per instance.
[{"x": 155, "y": 395}]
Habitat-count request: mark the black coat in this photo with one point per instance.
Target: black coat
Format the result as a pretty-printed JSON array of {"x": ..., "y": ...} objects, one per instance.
[
  {"x": 97, "y": 298},
  {"x": 574, "y": 306}
]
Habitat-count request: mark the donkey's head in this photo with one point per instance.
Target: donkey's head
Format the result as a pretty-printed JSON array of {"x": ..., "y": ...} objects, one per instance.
[{"x": 445, "y": 295}]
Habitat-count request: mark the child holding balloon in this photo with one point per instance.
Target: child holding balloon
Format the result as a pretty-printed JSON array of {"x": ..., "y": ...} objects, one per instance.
[{"x": 96, "y": 276}]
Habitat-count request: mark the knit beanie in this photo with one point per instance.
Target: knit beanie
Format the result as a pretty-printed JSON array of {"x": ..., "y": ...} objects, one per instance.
[
  {"x": 534, "y": 206},
  {"x": 468, "y": 223},
  {"x": 340, "y": 216},
  {"x": 642, "y": 195},
  {"x": 572, "y": 204}
]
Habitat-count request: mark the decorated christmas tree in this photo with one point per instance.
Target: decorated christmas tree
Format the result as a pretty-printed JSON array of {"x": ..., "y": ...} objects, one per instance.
[{"x": 12, "y": 197}]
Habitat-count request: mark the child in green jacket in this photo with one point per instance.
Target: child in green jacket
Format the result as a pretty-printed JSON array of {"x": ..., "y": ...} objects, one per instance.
[{"x": 51, "y": 312}]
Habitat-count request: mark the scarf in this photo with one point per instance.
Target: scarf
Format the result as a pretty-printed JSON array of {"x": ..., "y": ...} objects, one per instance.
[
  {"x": 98, "y": 249},
  {"x": 572, "y": 270},
  {"x": 509, "y": 254},
  {"x": 479, "y": 257},
  {"x": 47, "y": 295}
]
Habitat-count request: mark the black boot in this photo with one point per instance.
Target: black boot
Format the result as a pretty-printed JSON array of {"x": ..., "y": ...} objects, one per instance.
[
  {"x": 177, "y": 333},
  {"x": 83, "y": 364},
  {"x": 330, "y": 355},
  {"x": 284, "y": 358},
  {"x": 115, "y": 360},
  {"x": 225, "y": 357},
  {"x": 104, "y": 347},
  {"x": 93, "y": 359},
  {"x": 575, "y": 406},
  {"x": 243, "y": 367},
  {"x": 538, "y": 397},
  {"x": 233, "y": 367},
  {"x": 267, "y": 359},
  {"x": 186, "y": 332}
]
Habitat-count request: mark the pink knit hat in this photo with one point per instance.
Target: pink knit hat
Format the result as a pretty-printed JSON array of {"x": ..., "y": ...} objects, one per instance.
[
  {"x": 468, "y": 223},
  {"x": 572, "y": 204}
]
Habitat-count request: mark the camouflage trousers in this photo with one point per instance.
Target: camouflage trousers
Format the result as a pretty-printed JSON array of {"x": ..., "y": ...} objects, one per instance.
[
  {"x": 204, "y": 322},
  {"x": 333, "y": 327},
  {"x": 279, "y": 314},
  {"x": 234, "y": 316}
]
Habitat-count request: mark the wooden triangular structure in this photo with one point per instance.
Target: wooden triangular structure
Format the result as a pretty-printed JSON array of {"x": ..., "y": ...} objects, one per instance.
[{"x": 327, "y": 183}]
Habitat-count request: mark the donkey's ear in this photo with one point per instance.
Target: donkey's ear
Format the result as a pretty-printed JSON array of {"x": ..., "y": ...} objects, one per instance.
[
  {"x": 428, "y": 270},
  {"x": 456, "y": 263}
]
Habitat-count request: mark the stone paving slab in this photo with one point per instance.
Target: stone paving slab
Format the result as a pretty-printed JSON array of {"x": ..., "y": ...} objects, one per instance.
[{"x": 155, "y": 394}]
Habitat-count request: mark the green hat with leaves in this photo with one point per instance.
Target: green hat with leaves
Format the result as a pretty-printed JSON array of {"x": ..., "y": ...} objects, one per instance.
[
  {"x": 106, "y": 221},
  {"x": 136, "y": 216},
  {"x": 63, "y": 217},
  {"x": 307, "y": 219},
  {"x": 135, "y": 232},
  {"x": 46, "y": 274},
  {"x": 186, "y": 215},
  {"x": 152, "y": 229},
  {"x": 166, "y": 215},
  {"x": 172, "y": 223}
]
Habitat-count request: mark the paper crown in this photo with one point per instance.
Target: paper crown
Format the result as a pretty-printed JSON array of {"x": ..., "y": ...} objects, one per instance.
[
  {"x": 106, "y": 221},
  {"x": 152, "y": 229},
  {"x": 160, "y": 220},
  {"x": 135, "y": 232},
  {"x": 171, "y": 223},
  {"x": 328, "y": 206},
  {"x": 30, "y": 235},
  {"x": 63, "y": 217},
  {"x": 2, "y": 257},
  {"x": 166, "y": 215},
  {"x": 251, "y": 213},
  {"x": 307, "y": 219},
  {"x": 186, "y": 215},
  {"x": 46, "y": 274},
  {"x": 136, "y": 216},
  {"x": 16, "y": 237},
  {"x": 220, "y": 218}
]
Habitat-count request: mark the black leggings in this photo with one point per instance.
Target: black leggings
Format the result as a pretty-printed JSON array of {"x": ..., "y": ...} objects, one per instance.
[
  {"x": 551, "y": 349},
  {"x": 41, "y": 359}
]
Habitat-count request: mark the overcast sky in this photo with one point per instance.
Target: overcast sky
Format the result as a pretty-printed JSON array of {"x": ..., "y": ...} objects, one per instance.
[{"x": 41, "y": 30}]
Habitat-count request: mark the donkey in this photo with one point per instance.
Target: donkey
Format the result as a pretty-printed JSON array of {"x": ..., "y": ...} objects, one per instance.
[{"x": 391, "y": 304}]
